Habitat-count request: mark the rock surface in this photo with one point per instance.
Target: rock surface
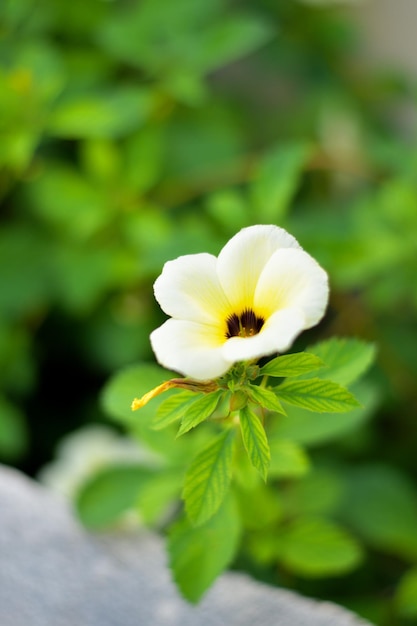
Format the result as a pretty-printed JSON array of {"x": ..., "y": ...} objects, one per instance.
[{"x": 54, "y": 573}]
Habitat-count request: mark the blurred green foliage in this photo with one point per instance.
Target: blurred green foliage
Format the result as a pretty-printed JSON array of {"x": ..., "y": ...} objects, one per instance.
[{"x": 135, "y": 131}]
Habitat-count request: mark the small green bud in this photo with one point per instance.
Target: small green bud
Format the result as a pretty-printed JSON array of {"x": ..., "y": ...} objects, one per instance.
[{"x": 238, "y": 400}]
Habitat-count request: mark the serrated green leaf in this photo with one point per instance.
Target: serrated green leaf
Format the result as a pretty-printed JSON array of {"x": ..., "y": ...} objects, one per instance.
[
  {"x": 292, "y": 365},
  {"x": 199, "y": 410},
  {"x": 302, "y": 427},
  {"x": 346, "y": 359},
  {"x": 172, "y": 409},
  {"x": 314, "y": 547},
  {"x": 316, "y": 394},
  {"x": 198, "y": 555},
  {"x": 266, "y": 398},
  {"x": 255, "y": 441},
  {"x": 406, "y": 595},
  {"x": 208, "y": 478},
  {"x": 110, "y": 492},
  {"x": 288, "y": 459}
]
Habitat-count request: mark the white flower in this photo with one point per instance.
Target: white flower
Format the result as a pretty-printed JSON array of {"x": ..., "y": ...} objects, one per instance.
[{"x": 251, "y": 301}]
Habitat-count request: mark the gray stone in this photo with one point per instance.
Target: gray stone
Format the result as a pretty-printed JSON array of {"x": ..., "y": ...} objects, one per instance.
[{"x": 54, "y": 573}]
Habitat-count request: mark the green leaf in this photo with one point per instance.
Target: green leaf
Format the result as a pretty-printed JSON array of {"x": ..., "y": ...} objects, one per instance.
[
  {"x": 266, "y": 398},
  {"x": 199, "y": 410},
  {"x": 186, "y": 86},
  {"x": 131, "y": 382},
  {"x": 147, "y": 33},
  {"x": 292, "y": 365},
  {"x": 110, "y": 113},
  {"x": 406, "y": 595},
  {"x": 288, "y": 459},
  {"x": 304, "y": 428},
  {"x": 315, "y": 394},
  {"x": 259, "y": 505},
  {"x": 135, "y": 381},
  {"x": 320, "y": 492},
  {"x": 228, "y": 40},
  {"x": 109, "y": 493},
  {"x": 255, "y": 441},
  {"x": 314, "y": 547},
  {"x": 345, "y": 359},
  {"x": 198, "y": 555},
  {"x": 229, "y": 208},
  {"x": 172, "y": 409},
  {"x": 83, "y": 209},
  {"x": 381, "y": 504},
  {"x": 244, "y": 474},
  {"x": 143, "y": 161},
  {"x": 208, "y": 478},
  {"x": 157, "y": 495},
  {"x": 276, "y": 180}
]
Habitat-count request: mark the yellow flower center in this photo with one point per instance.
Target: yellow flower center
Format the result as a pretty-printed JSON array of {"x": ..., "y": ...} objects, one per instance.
[{"x": 246, "y": 324}]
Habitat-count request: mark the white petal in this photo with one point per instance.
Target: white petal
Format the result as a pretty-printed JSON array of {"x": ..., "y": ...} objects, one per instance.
[
  {"x": 292, "y": 279},
  {"x": 190, "y": 348},
  {"x": 277, "y": 335},
  {"x": 189, "y": 289},
  {"x": 243, "y": 258}
]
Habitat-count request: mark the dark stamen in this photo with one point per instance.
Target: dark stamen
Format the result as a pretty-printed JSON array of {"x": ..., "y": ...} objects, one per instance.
[{"x": 246, "y": 324}]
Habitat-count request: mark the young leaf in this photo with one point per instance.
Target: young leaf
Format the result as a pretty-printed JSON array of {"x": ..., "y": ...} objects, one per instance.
[
  {"x": 172, "y": 409},
  {"x": 266, "y": 398},
  {"x": 256, "y": 443},
  {"x": 292, "y": 365},
  {"x": 208, "y": 478},
  {"x": 198, "y": 555},
  {"x": 346, "y": 359},
  {"x": 315, "y": 394},
  {"x": 199, "y": 410}
]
